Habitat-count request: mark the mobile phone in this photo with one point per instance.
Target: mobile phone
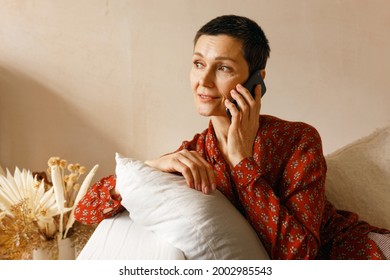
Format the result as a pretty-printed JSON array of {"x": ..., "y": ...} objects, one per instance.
[{"x": 254, "y": 80}]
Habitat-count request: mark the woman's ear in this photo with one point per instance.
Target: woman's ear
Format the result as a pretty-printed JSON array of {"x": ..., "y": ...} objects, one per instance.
[{"x": 262, "y": 73}]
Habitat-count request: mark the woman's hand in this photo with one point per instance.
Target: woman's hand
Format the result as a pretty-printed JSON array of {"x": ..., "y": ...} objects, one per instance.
[
  {"x": 244, "y": 123},
  {"x": 198, "y": 173}
]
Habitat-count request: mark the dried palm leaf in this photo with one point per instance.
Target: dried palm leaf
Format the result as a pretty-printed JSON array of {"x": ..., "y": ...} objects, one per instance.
[
  {"x": 56, "y": 179},
  {"x": 83, "y": 189}
]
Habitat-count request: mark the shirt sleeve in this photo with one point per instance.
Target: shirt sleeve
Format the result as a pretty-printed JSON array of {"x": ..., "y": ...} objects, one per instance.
[
  {"x": 287, "y": 219},
  {"x": 98, "y": 203}
]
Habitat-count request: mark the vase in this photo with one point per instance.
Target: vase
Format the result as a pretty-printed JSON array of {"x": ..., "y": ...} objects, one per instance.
[
  {"x": 66, "y": 251},
  {"x": 41, "y": 254}
]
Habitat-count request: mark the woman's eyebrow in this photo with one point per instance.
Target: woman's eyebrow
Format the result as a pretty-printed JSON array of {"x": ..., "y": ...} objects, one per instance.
[{"x": 218, "y": 57}]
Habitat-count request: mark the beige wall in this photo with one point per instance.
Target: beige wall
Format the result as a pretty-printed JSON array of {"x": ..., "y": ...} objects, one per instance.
[{"x": 85, "y": 79}]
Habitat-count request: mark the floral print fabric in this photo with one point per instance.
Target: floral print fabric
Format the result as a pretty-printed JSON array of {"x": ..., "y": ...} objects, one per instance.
[
  {"x": 98, "y": 203},
  {"x": 281, "y": 192}
]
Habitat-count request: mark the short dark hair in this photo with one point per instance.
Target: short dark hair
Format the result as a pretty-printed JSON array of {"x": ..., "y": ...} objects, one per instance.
[{"x": 255, "y": 44}]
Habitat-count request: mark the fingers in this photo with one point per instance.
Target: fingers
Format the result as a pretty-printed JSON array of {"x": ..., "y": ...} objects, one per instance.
[
  {"x": 196, "y": 170},
  {"x": 234, "y": 112},
  {"x": 249, "y": 106}
]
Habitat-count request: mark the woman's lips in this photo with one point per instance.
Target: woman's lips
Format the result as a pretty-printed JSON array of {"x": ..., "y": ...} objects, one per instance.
[{"x": 205, "y": 97}]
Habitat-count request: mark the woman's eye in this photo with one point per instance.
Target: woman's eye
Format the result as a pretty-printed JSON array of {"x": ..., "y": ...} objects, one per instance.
[
  {"x": 197, "y": 64},
  {"x": 224, "y": 68}
]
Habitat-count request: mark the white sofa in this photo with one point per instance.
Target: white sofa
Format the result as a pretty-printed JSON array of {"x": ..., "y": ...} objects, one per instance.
[{"x": 358, "y": 178}]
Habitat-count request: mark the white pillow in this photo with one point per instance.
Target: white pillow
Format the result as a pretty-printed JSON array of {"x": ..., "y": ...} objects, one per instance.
[
  {"x": 202, "y": 226},
  {"x": 120, "y": 238},
  {"x": 358, "y": 178}
]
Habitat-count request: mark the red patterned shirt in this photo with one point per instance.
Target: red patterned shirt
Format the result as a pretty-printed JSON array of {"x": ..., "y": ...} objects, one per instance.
[{"x": 281, "y": 192}]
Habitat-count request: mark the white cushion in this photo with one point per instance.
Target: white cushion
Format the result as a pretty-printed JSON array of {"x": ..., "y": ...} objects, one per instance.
[
  {"x": 358, "y": 178},
  {"x": 202, "y": 226},
  {"x": 120, "y": 238}
]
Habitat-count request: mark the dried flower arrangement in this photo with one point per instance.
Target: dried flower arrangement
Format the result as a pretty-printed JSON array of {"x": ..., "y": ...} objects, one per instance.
[{"x": 35, "y": 214}]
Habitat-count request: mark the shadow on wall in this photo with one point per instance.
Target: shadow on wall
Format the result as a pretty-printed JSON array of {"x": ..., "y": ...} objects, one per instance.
[{"x": 36, "y": 123}]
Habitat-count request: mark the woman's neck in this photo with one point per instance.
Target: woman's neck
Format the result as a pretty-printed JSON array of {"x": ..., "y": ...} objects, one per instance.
[{"x": 221, "y": 128}]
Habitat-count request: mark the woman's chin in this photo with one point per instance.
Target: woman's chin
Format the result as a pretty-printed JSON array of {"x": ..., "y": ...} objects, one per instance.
[
  {"x": 209, "y": 113},
  {"x": 204, "y": 113},
  {"x": 209, "y": 110}
]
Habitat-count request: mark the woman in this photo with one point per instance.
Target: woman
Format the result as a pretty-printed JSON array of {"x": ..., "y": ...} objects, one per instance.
[{"x": 272, "y": 170}]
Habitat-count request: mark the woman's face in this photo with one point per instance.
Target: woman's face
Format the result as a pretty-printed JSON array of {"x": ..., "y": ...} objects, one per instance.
[{"x": 218, "y": 65}]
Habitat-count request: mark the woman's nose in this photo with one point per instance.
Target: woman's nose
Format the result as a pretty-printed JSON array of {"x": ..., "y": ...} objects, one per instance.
[{"x": 206, "y": 79}]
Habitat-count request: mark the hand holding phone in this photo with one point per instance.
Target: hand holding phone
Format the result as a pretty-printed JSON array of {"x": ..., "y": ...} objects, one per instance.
[{"x": 254, "y": 80}]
